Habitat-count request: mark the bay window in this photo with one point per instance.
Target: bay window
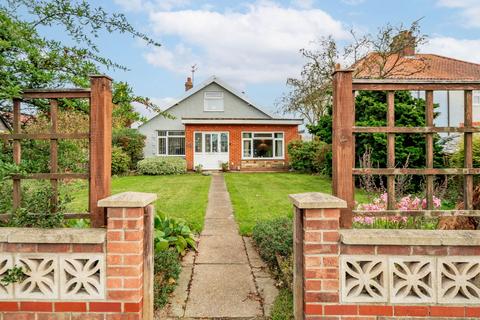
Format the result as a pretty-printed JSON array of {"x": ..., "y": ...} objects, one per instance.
[
  {"x": 171, "y": 143},
  {"x": 261, "y": 145}
]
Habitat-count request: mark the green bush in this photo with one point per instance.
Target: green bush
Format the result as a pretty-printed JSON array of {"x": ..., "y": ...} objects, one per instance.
[
  {"x": 371, "y": 111},
  {"x": 120, "y": 161},
  {"x": 132, "y": 142},
  {"x": 458, "y": 157},
  {"x": 272, "y": 238},
  {"x": 283, "y": 306},
  {"x": 162, "y": 166},
  {"x": 36, "y": 207},
  {"x": 173, "y": 233},
  {"x": 167, "y": 269},
  {"x": 309, "y": 156}
]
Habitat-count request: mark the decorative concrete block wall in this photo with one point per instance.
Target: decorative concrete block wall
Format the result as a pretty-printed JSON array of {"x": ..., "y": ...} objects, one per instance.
[
  {"x": 380, "y": 274},
  {"x": 82, "y": 273}
]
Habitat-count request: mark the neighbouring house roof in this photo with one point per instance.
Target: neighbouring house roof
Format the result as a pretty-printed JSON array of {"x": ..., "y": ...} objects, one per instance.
[
  {"x": 419, "y": 66},
  {"x": 7, "y": 119},
  {"x": 204, "y": 84},
  {"x": 241, "y": 121}
]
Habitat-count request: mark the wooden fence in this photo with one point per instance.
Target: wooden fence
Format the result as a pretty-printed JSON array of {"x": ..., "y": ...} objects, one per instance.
[
  {"x": 99, "y": 135},
  {"x": 344, "y": 130}
]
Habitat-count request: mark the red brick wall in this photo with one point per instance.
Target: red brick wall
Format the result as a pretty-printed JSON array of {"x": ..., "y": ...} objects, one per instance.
[
  {"x": 321, "y": 288},
  {"x": 124, "y": 253},
  {"x": 235, "y": 132}
]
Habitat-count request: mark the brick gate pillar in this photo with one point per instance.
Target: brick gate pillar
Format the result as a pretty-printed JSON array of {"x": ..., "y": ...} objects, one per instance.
[
  {"x": 130, "y": 252},
  {"x": 316, "y": 252}
]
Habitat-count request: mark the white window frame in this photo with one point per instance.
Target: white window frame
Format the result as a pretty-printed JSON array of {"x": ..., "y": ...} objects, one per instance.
[
  {"x": 221, "y": 97},
  {"x": 204, "y": 145},
  {"x": 251, "y": 157},
  {"x": 165, "y": 137}
]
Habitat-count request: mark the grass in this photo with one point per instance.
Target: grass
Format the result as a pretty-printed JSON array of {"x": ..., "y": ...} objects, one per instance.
[
  {"x": 263, "y": 196},
  {"x": 181, "y": 196}
]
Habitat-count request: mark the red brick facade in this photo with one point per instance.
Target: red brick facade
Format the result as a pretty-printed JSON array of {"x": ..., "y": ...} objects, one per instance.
[{"x": 235, "y": 144}]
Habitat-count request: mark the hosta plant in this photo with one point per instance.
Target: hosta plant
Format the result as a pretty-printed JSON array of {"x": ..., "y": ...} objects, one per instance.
[{"x": 173, "y": 233}]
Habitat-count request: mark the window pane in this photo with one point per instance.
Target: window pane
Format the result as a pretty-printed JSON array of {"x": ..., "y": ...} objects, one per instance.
[
  {"x": 263, "y": 148},
  {"x": 278, "y": 148},
  {"x": 278, "y": 135},
  {"x": 176, "y": 146},
  {"x": 223, "y": 142},
  {"x": 176, "y": 133},
  {"x": 162, "y": 147},
  {"x": 262, "y": 135},
  {"x": 198, "y": 142},
  {"x": 247, "y": 135},
  {"x": 247, "y": 148},
  {"x": 214, "y": 142},
  {"x": 162, "y": 133},
  {"x": 208, "y": 142}
]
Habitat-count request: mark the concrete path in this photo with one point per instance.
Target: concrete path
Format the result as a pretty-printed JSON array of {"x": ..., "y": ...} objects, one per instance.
[{"x": 225, "y": 278}]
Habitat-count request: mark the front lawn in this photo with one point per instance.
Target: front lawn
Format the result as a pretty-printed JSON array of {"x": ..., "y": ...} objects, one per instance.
[
  {"x": 182, "y": 196},
  {"x": 263, "y": 196}
]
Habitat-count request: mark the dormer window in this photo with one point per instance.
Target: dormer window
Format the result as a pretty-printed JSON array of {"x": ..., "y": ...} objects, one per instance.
[{"x": 213, "y": 101}]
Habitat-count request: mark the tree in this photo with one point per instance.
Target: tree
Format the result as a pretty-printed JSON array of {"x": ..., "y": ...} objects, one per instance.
[
  {"x": 29, "y": 60},
  {"x": 378, "y": 56}
]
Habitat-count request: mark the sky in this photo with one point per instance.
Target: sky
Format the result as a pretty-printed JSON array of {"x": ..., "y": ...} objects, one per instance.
[{"x": 254, "y": 45}]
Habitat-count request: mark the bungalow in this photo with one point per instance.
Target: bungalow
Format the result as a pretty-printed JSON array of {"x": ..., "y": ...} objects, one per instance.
[{"x": 215, "y": 124}]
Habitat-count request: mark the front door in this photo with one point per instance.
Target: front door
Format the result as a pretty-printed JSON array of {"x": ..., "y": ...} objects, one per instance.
[{"x": 211, "y": 149}]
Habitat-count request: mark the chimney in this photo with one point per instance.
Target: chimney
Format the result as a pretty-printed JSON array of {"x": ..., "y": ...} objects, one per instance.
[
  {"x": 404, "y": 43},
  {"x": 188, "y": 84}
]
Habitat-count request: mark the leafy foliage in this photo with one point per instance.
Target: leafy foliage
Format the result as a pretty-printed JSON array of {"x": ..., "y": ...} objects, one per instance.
[
  {"x": 167, "y": 269},
  {"x": 458, "y": 157},
  {"x": 173, "y": 233},
  {"x": 371, "y": 110},
  {"x": 162, "y": 165},
  {"x": 30, "y": 60},
  {"x": 132, "y": 142},
  {"x": 272, "y": 238},
  {"x": 309, "y": 156},
  {"x": 120, "y": 161},
  {"x": 283, "y": 306},
  {"x": 13, "y": 275}
]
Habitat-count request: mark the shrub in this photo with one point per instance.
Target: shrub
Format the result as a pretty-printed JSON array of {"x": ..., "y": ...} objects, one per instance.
[
  {"x": 310, "y": 156},
  {"x": 371, "y": 110},
  {"x": 132, "y": 142},
  {"x": 272, "y": 238},
  {"x": 120, "y": 161},
  {"x": 167, "y": 269},
  {"x": 283, "y": 306},
  {"x": 458, "y": 157},
  {"x": 162, "y": 165},
  {"x": 172, "y": 233},
  {"x": 36, "y": 206}
]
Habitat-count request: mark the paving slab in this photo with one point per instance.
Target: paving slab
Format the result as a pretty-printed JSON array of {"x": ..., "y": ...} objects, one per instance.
[
  {"x": 223, "y": 291},
  {"x": 179, "y": 298},
  {"x": 222, "y": 249},
  {"x": 219, "y": 227}
]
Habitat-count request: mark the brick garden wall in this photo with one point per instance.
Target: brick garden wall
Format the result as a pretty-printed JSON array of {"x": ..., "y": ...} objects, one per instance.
[
  {"x": 235, "y": 133},
  {"x": 331, "y": 272},
  {"x": 111, "y": 259}
]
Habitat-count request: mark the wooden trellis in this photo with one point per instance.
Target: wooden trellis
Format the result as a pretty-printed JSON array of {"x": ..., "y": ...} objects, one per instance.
[
  {"x": 99, "y": 135},
  {"x": 344, "y": 131}
]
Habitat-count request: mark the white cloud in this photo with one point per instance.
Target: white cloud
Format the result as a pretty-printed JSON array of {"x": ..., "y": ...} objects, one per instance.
[
  {"x": 470, "y": 10},
  {"x": 463, "y": 49},
  {"x": 257, "y": 44}
]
